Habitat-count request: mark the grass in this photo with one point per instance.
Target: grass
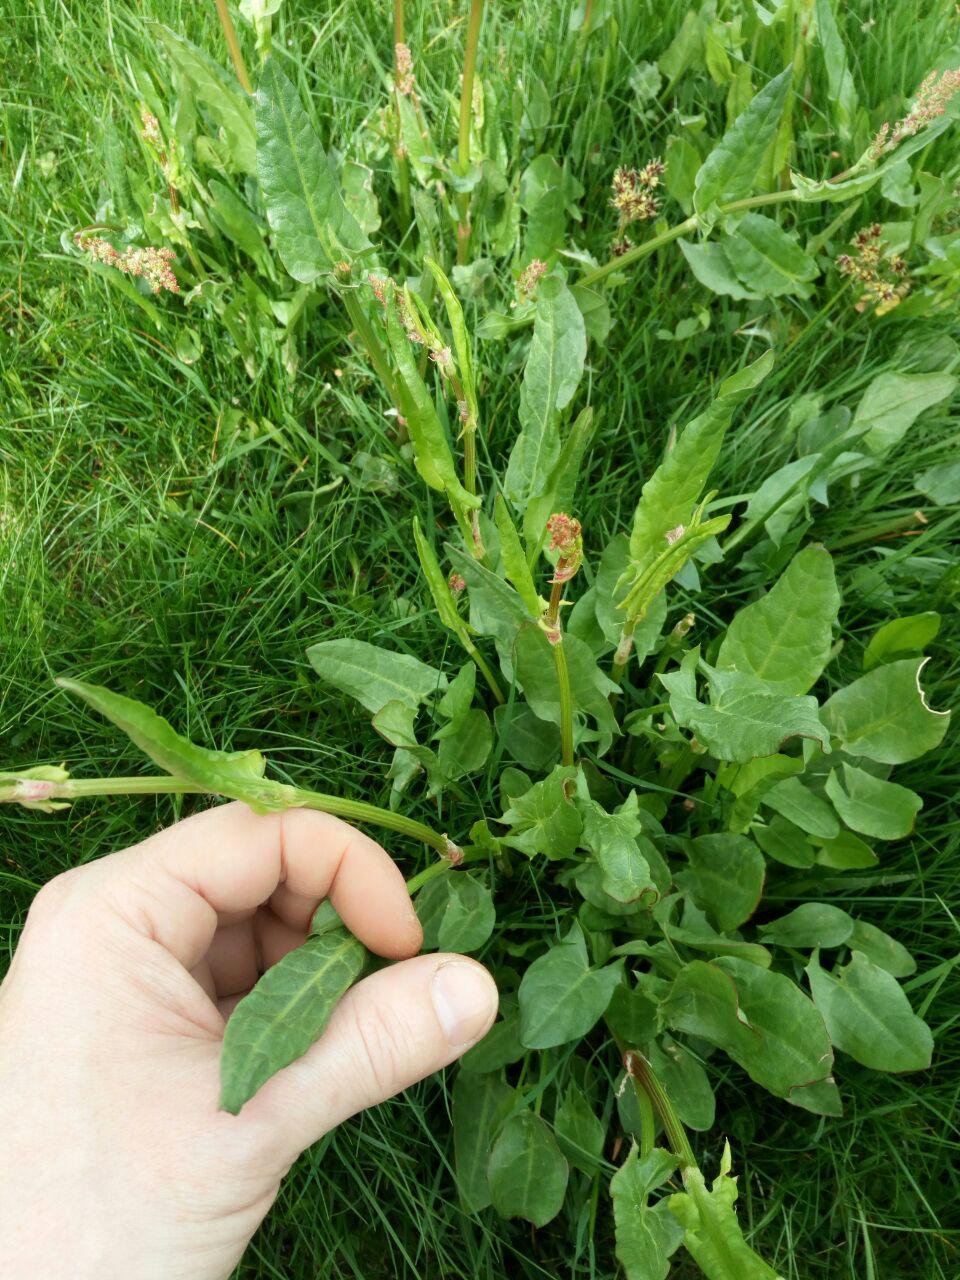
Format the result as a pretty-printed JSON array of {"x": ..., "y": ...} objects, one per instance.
[{"x": 143, "y": 544}]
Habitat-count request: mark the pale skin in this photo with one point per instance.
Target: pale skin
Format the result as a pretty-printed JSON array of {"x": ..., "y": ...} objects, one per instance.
[{"x": 115, "y": 1162}]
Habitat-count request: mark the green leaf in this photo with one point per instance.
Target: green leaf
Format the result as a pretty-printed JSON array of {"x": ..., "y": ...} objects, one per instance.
[
  {"x": 236, "y": 774},
  {"x": 461, "y": 339},
  {"x": 285, "y": 1013},
  {"x": 528, "y": 1174},
  {"x": 893, "y": 402},
  {"x": 872, "y": 806},
  {"x": 899, "y": 636},
  {"x": 647, "y": 1235},
  {"x": 725, "y": 877},
  {"x": 532, "y": 742},
  {"x": 884, "y": 715},
  {"x": 560, "y": 484},
  {"x": 869, "y": 1016},
  {"x": 757, "y": 1016},
  {"x": 553, "y": 370},
  {"x": 784, "y": 638},
  {"x": 544, "y": 819},
  {"x": 499, "y": 1047},
  {"x": 842, "y": 96},
  {"x": 668, "y": 498},
  {"x": 495, "y": 608},
  {"x": 712, "y": 1235},
  {"x": 590, "y": 688},
  {"x": 686, "y": 1083},
  {"x": 683, "y": 162},
  {"x": 631, "y": 1016},
  {"x": 785, "y": 843},
  {"x": 646, "y": 582},
  {"x": 793, "y": 800},
  {"x": 814, "y": 924},
  {"x": 374, "y": 676},
  {"x": 465, "y": 745},
  {"x": 480, "y": 1106},
  {"x": 234, "y": 219},
  {"x": 561, "y": 996},
  {"x": 941, "y": 484},
  {"x": 614, "y": 840},
  {"x": 710, "y": 265},
  {"x": 456, "y": 912},
  {"x": 515, "y": 566},
  {"x": 595, "y": 311},
  {"x": 579, "y": 1133},
  {"x": 730, "y": 170},
  {"x": 443, "y": 598},
  {"x": 220, "y": 94},
  {"x": 882, "y": 950},
  {"x": 745, "y": 717},
  {"x": 845, "y": 852},
  {"x": 767, "y": 260},
  {"x": 613, "y": 566},
  {"x": 311, "y": 226},
  {"x": 697, "y": 933},
  {"x": 359, "y": 197},
  {"x": 432, "y": 455}
]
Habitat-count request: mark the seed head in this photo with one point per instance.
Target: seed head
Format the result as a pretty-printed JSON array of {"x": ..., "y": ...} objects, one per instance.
[
  {"x": 883, "y": 281},
  {"x": 633, "y": 192},
  {"x": 403, "y": 59},
  {"x": 457, "y": 582},
  {"x": 931, "y": 101},
  {"x": 153, "y": 265},
  {"x": 151, "y": 129},
  {"x": 530, "y": 277},
  {"x": 566, "y": 537}
]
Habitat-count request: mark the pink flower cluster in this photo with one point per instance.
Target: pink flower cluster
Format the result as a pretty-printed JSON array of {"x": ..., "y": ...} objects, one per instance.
[
  {"x": 566, "y": 537},
  {"x": 152, "y": 265}
]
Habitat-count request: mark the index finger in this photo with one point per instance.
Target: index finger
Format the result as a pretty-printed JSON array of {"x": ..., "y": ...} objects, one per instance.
[{"x": 229, "y": 860}]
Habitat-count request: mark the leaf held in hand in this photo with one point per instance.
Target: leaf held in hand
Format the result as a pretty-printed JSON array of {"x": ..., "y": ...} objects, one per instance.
[{"x": 285, "y": 1013}]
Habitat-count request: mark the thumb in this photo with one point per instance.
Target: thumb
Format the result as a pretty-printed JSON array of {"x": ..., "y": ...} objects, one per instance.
[{"x": 390, "y": 1030}]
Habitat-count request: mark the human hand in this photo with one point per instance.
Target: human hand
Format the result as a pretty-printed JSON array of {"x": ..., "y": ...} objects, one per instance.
[{"x": 114, "y": 1159}]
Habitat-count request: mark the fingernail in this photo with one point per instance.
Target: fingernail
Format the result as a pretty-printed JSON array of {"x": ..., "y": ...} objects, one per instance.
[{"x": 465, "y": 1000}]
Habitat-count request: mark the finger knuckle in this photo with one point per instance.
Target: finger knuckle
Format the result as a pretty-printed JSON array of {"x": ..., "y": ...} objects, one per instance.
[
  {"x": 55, "y": 898},
  {"x": 381, "y": 1045}
]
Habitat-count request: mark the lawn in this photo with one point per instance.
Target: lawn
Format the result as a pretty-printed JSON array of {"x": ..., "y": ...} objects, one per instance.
[{"x": 191, "y": 496}]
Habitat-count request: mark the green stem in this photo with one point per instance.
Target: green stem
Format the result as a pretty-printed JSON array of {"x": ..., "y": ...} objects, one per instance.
[
  {"x": 233, "y": 44},
  {"x": 351, "y": 810},
  {"x": 360, "y": 811},
  {"x": 484, "y": 669},
  {"x": 442, "y": 868},
  {"x": 566, "y": 703},
  {"x": 463, "y": 140},
  {"x": 646, "y": 1082},
  {"x": 374, "y": 349},
  {"x": 674, "y": 233},
  {"x": 623, "y": 651}
]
